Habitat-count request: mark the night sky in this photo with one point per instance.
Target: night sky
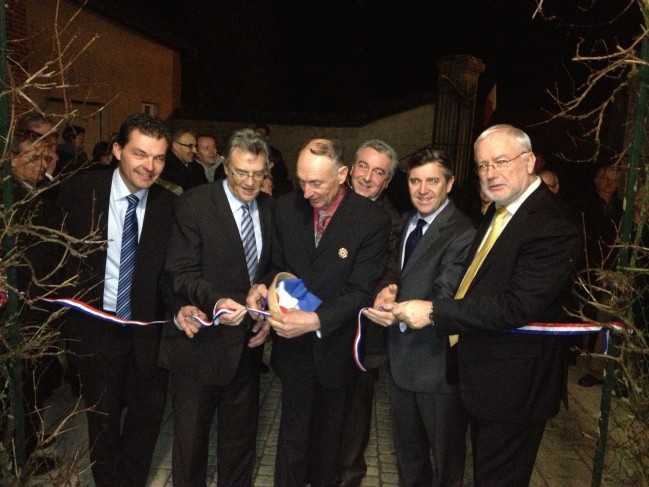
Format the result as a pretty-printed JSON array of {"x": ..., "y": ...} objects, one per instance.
[{"x": 274, "y": 57}]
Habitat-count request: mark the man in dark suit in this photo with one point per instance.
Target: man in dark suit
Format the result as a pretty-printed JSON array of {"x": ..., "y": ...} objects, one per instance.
[
  {"x": 36, "y": 258},
  {"x": 428, "y": 418},
  {"x": 181, "y": 172},
  {"x": 336, "y": 241},
  {"x": 118, "y": 364},
  {"x": 217, "y": 368},
  {"x": 374, "y": 165},
  {"x": 511, "y": 383}
]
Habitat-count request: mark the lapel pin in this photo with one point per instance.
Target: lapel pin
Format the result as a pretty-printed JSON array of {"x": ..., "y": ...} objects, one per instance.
[{"x": 342, "y": 253}]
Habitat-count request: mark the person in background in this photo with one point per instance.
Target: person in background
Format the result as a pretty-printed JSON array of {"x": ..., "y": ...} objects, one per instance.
[
  {"x": 278, "y": 171},
  {"x": 102, "y": 156},
  {"x": 181, "y": 172},
  {"x": 72, "y": 155},
  {"x": 601, "y": 210},
  {"x": 374, "y": 165},
  {"x": 551, "y": 179},
  {"x": 37, "y": 261},
  {"x": 208, "y": 156}
]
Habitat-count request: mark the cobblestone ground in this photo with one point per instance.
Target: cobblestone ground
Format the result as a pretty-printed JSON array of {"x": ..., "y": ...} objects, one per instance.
[{"x": 564, "y": 460}]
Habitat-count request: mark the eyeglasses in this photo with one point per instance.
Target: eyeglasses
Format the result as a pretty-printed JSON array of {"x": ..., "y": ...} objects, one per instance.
[
  {"x": 241, "y": 174},
  {"x": 497, "y": 165},
  {"x": 189, "y": 146}
]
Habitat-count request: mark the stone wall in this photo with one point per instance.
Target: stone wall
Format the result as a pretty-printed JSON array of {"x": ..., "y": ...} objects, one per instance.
[{"x": 406, "y": 132}]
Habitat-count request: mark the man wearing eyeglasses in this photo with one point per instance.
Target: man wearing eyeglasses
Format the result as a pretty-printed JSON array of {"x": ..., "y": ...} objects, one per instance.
[
  {"x": 337, "y": 242},
  {"x": 219, "y": 245},
  {"x": 181, "y": 171},
  {"x": 519, "y": 271},
  {"x": 37, "y": 258}
]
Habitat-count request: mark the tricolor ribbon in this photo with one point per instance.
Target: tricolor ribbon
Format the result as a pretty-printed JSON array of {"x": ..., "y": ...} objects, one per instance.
[
  {"x": 103, "y": 315},
  {"x": 97, "y": 313},
  {"x": 564, "y": 329}
]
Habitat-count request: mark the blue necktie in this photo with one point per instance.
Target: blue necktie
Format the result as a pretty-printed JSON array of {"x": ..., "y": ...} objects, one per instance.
[
  {"x": 248, "y": 239},
  {"x": 127, "y": 260},
  {"x": 413, "y": 240}
]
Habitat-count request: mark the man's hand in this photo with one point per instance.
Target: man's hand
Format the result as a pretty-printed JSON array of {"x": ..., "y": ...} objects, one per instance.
[
  {"x": 255, "y": 298},
  {"x": 413, "y": 313},
  {"x": 238, "y": 312},
  {"x": 294, "y": 322},
  {"x": 187, "y": 323},
  {"x": 260, "y": 330},
  {"x": 387, "y": 295},
  {"x": 381, "y": 316}
]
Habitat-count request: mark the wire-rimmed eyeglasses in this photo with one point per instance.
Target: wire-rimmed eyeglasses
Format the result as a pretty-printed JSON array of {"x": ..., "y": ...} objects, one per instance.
[{"x": 497, "y": 165}]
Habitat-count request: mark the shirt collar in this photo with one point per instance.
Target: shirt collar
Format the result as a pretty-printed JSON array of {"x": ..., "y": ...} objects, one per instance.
[
  {"x": 516, "y": 204},
  {"x": 119, "y": 190}
]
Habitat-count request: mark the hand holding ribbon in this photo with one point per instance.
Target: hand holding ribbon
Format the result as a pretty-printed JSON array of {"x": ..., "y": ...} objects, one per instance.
[
  {"x": 255, "y": 300},
  {"x": 381, "y": 315},
  {"x": 236, "y": 315},
  {"x": 294, "y": 322},
  {"x": 413, "y": 313},
  {"x": 187, "y": 321}
]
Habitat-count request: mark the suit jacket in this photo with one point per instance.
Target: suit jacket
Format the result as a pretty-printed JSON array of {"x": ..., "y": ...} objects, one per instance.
[
  {"x": 374, "y": 344},
  {"x": 434, "y": 270},
  {"x": 85, "y": 200},
  {"x": 342, "y": 271},
  {"x": 207, "y": 262},
  {"x": 506, "y": 376},
  {"x": 184, "y": 175}
]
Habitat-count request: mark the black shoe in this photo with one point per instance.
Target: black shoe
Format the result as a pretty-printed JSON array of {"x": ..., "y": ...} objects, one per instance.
[
  {"x": 589, "y": 381},
  {"x": 264, "y": 369}
]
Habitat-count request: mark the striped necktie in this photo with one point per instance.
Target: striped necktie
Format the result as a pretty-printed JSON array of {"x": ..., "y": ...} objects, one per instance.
[
  {"x": 322, "y": 225},
  {"x": 479, "y": 257},
  {"x": 248, "y": 239},
  {"x": 127, "y": 259}
]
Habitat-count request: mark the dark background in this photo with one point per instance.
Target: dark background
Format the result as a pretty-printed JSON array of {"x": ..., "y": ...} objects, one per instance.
[{"x": 307, "y": 61}]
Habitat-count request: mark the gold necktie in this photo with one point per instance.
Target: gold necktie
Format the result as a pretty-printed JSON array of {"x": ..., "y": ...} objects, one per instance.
[{"x": 478, "y": 258}]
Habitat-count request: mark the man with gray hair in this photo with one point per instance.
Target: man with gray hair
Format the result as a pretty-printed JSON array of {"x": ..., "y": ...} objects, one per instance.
[
  {"x": 219, "y": 245},
  {"x": 520, "y": 270},
  {"x": 374, "y": 165}
]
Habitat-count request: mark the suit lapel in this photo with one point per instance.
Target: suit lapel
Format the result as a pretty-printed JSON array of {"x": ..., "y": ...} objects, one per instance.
[
  {"x": 510, "y": 234},
  {"x": 336, "y": 225},
  {"x": 429, "y": 238},
  {"x": 264, "y": 206}
]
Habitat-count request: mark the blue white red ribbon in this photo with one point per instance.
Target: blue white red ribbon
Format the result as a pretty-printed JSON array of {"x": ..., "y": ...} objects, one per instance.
[
  {"x": 563, "y": 329},
  {"x": 103, "y": 315}
]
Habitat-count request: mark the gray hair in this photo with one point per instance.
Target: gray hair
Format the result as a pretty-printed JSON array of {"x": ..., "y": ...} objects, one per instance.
[{"x": 381, "y": 147}]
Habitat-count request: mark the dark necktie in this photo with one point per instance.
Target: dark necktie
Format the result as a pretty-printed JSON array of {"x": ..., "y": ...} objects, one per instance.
[
  {"x": 413, "y": 240},
  {"x": 127, "y": 260},
  {"x": 248, "y": 239},
  {"x": 322, "y": 224}
]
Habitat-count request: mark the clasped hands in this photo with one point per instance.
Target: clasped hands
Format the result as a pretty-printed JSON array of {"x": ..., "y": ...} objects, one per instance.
[
  {"x": 187, "y": 322},
  {"x": 291, "y": 324},
  {"x": 386, "y": 311}
]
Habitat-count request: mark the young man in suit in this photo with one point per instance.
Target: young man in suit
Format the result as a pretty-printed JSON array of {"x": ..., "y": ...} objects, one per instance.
[
  {"x": 219, "y": 245},
  {"x": 427, "y": 415},
  {"x": 118, "y": 364},
  {"x": 521, "y": 264},
  {"x": 337, "y": 242}
]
